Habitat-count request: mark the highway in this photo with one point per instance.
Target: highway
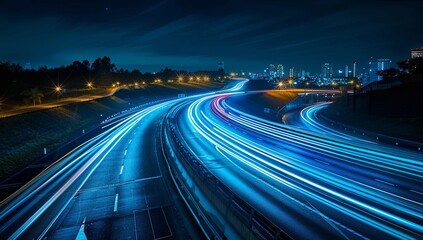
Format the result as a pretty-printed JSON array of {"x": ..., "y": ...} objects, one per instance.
[
  {"x": 311, "y": 181},
  {"x": 114, "y": 186}
]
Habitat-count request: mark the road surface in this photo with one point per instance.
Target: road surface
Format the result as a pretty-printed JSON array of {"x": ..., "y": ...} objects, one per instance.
[{"x": 311, "y": 182}]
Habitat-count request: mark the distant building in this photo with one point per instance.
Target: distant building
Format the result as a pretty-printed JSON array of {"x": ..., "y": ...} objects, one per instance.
[
  {"x": 346, "y": 71},
  {"x": 291, "y": 72},
  {"x": 354, "y": 70},
  {"x": 327, "y": 70},
  {"x": 416, "y": 53},
  {"x": 272, "y": 70},
  {"x": 376, "y": 65},
  {"x": 279, "y": 71}
]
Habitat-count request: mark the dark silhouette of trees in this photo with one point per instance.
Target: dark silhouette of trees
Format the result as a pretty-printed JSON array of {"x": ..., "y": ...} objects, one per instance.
[
  {"x": 390, "y": 73},
  {"x": 28, "y": 85},
  {"x": 103, "y": 65},
  {"x": 412, "y": 66}
]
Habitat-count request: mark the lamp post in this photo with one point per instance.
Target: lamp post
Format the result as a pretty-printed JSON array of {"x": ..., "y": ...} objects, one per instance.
[{"x": 58, "y": 90}]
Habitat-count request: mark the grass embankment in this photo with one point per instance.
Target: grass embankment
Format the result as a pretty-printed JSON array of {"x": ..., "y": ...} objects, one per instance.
[
  {"x": 256, "y": 102},
  {"x": 23, "y": 137},
  {"x": 395, "y": 112}
]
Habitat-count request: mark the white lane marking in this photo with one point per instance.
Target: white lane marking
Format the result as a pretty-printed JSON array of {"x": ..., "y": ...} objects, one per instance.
[
  {"x": 125, "y": 152},
  {"x": 151, "y": 223},
  {"x": 414, "y": 191},
  {"x": 81, "y": 233},
  {"x": 121, "y": 170},
  {"x": 116, "y": 202},
  {"x": 135, "y": 227},
  {"x": 168, "y": 226},
  {"x": 130, "y": 141},
  {"x": 394, "y": 185}
]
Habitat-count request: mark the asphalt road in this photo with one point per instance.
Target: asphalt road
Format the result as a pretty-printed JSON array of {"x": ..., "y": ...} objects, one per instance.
[
  {"x": 310, "y": 181},
  {"x": 115, "y": 186}
]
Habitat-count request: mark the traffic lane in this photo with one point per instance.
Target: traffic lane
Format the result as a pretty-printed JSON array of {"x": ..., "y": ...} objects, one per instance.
[
  {"x": 99, "y": 197},
  {"x": 374, "y": 177},
  {"x": 282, "y": 210},
  {"x": 293, "y": 139},
  {"x": 387, "y": 186},
  {"x": 223, "y": 130},
  {"x": 48, "y": 196},
  {"x": 128, "y": 201}
]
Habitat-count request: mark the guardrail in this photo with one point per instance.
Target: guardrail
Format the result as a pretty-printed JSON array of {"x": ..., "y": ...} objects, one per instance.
[{"x": 249, "y": 223}]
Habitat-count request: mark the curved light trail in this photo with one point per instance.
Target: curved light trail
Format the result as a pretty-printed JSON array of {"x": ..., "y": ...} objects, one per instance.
[
  {"x": 367, "y": 190},
  {"x": 34, "y": 209}
]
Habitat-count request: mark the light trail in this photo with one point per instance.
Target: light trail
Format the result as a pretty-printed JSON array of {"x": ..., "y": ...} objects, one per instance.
[
  {"x": 392, "y": 211},
  {"x": 60, "y": 182}
]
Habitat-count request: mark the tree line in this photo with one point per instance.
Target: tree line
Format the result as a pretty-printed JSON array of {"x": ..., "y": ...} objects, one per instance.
[
  {"x": 30, "y": 85},
  {"x": 409, "y": 70}
]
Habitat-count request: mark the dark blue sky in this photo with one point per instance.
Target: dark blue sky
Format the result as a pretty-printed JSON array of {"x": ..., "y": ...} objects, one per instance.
[{"x": 194, "y": 35}]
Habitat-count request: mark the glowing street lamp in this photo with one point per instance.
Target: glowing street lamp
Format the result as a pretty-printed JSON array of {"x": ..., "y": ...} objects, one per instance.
[
  {"x": 89, "y": 84},
  {"x": 58, "y": 90},
  {"x": 191, "y": 78},
  {"x": 280, "y": 84}
]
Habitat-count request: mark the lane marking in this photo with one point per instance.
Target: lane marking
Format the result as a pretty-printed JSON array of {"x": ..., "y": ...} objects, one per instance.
[
  {"x": 81, "y": 233},
  {"x": 151, "y": 224},
  {"x": 116, "y": 202},
  {"x": 125, "y": 152},
  {"x": 414, "y": 191},
  {"x": 135, "y": 227},
  {"x": 394, "y": 185},
  {"x": 121, "y": 170},
  {"x": 168, "y": 226},
  {"x": 130, "y": 141}
]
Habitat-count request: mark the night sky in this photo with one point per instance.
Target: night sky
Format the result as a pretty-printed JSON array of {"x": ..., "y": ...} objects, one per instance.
[{"x": 194, "y": 35}]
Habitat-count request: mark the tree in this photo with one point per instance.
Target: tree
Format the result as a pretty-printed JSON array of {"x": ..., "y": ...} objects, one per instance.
[
  {"x": 389, "y": 73},
  {"x": 103, "y": 65},
  {"x": 33, "y": 94},
  {"x": 412, "y": 66}
]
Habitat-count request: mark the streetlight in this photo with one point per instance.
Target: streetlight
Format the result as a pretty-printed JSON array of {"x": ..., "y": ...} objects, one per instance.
[
  {"x": 90, "y": 85},
  {"x": 58, "y": 91},
  {"x": 280, "y": 84},
  {"x": 290, "y": 82}
]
